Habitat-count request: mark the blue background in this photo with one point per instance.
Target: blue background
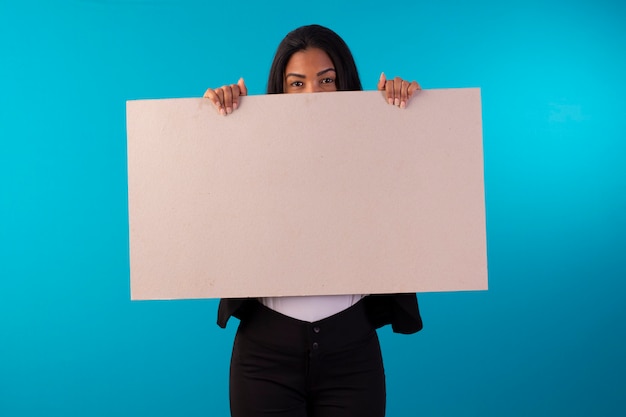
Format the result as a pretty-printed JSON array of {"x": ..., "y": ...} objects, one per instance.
[{"x": 547, "y": 339}]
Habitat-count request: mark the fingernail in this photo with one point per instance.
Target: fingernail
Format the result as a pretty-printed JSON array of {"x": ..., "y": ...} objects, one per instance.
[
  {"x": 397, "y": 102},
  {"x": 390, "y": 101},
  {"x": 229, "y": 110},
  {"x": 403, "y": 104},
  {"x": 235, "y": 105},
  {"x": 222, "y": 111}
]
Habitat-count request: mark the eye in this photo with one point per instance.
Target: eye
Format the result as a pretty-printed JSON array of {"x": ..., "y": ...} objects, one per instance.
[
  {"x": 328, "y": 80},
  {"x": 297, "y": 84}
]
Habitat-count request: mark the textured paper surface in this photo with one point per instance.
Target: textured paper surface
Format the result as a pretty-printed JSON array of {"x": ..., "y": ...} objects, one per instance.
[{"x": 331, "y": 193}]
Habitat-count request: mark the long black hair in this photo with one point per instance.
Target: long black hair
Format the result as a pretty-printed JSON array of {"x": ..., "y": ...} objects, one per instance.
[{"x": 314, "y": 36}]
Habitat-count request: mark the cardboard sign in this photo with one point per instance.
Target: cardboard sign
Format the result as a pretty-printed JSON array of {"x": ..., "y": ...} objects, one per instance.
[{"x": 306, "y": 194}]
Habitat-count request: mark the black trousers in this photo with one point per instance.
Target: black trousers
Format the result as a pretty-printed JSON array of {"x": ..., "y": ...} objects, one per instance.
[{"x": 286, "y": 367}]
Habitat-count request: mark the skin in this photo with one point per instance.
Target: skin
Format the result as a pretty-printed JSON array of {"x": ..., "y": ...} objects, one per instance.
[
  {"x": 397, "y": 91},
  {"x": 311, "y": 71}
]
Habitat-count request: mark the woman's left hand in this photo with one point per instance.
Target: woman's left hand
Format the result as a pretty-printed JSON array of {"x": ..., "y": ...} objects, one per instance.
[{"x": 397, "y": 91}]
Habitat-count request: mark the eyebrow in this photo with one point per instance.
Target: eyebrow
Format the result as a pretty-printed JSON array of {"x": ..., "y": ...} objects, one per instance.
[{"x": 293, "y": 74}]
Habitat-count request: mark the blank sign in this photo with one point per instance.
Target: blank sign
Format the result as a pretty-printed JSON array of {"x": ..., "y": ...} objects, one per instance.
[{"x": 306, "y": 194}]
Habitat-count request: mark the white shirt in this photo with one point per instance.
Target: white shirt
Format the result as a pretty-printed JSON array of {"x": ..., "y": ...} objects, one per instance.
[{"x": 311, "y": 308}]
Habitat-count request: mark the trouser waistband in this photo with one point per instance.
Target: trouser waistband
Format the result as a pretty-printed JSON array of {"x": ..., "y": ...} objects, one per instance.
[{"x": 337, "y": 332}]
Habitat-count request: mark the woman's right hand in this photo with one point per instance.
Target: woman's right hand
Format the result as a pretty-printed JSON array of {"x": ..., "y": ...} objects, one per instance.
[{"x": 226, "y": 98}]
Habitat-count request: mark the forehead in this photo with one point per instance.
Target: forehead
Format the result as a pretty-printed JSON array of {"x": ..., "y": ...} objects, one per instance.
[{"x": 311, "y": 59}]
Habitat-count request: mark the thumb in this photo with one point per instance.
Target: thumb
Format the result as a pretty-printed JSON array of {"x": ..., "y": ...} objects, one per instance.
[
  {"x": 382, "y": 81},
  {"x": 243, "y": 90}
]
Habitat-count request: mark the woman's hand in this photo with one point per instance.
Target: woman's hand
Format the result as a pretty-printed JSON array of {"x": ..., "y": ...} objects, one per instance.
[
  {"x": 226, "y": 98},
  {"x": 397, "y": 91}
]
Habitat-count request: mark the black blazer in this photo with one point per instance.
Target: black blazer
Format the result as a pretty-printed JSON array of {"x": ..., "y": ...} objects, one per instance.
[{"x": 399, "y": 310}]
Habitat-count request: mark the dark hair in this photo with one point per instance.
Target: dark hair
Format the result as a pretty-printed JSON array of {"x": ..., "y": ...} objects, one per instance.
[{"x": 315, "y": 36}]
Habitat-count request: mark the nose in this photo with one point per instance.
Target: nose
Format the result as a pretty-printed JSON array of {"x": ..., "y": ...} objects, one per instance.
[{"x": 313, "y": 88}]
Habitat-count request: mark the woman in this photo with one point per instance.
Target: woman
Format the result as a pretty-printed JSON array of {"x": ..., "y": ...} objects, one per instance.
[{"x": 316, "y": 355}]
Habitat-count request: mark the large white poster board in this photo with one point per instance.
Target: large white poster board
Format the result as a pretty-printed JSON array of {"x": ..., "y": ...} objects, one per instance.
[{"x": 333, "y": 193}]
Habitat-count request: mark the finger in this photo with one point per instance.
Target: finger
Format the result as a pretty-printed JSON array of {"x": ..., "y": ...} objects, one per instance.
[
  {"x": 397, "y": 91},
  {"x": 389, "y": 91},
  {"x": 381, "y": 81},
  {"x": 404, "y": 94},
  {"x": 239, "y": 89},
  {"x": 386, "y": 86},
  {"x": 228, "y": 98},
  {"x": 242, "y": 87},
  {"x": 215, "y": 98},
  {"x": 413, "y": 88}
]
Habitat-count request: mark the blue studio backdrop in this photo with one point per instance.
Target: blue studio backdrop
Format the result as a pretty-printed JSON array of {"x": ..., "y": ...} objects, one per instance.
[{"x": 546, "y": 339}]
